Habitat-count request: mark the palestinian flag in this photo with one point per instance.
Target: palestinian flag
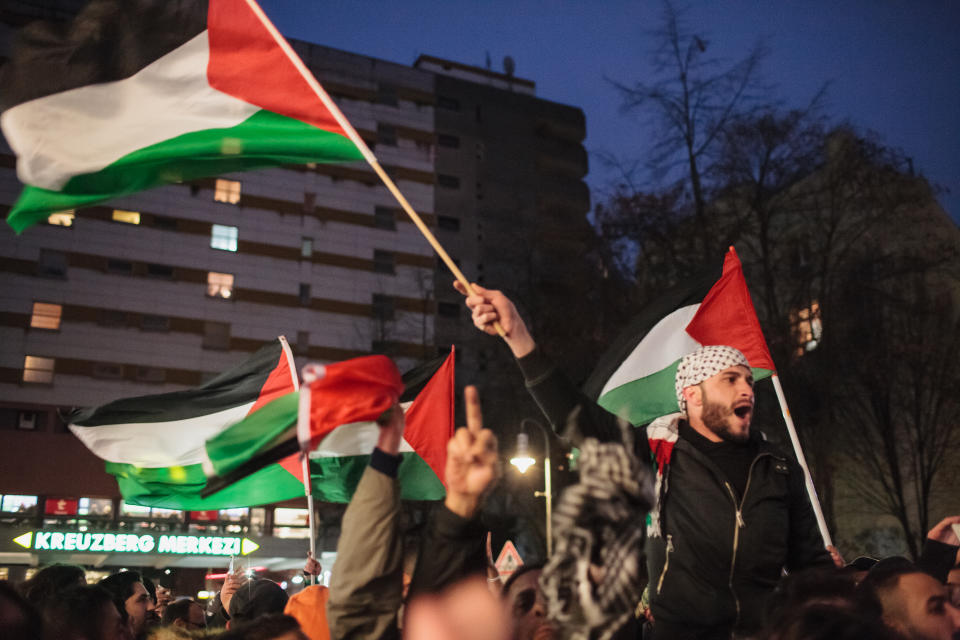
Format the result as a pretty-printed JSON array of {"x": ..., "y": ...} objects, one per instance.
[
  {"x": 138, "y": 93},
  {"x": 341, "y": 449},
  {"x": 154, "y": 445},
  {"x": 635, "y": 377}
]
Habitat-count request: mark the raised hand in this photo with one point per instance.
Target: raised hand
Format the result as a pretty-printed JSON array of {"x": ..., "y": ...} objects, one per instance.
[
  {"x": 488, "y": 306},
  {"x": 471, "y": 460}
]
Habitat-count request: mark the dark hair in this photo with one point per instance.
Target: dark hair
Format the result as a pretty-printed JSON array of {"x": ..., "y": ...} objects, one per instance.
[
  {"x": 257, "y": 598},
  {"x": 263, "y": 628},
  {"x": 50, "y": 581},
  {"x": 814, "y": 587},
  {"x": 824, "y": 622},
  {"x": 526, "y": 568},
  {"x": 75, "y": 613},
  {"x": 19, "y": 619},
  {"x": 120, "y": 585},
  {"x": 179, "y": 609}
]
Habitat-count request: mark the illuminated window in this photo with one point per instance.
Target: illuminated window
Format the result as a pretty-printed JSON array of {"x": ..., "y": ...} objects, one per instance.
[
  {"x": 19, "y": 504},
  {"x": 219, "y": 285},
  {"x": 285, "y": 516},
  {"x": 306, "y": 247},
  {"x": 237, "y": 514},
  {"x": 223, "y": 237},
  {"x": 807, "y": 327},
  {"x": 227, "y": 191},
  {"x": 134, "y": 510},
  {"x": 95, "y": 507},
  {"x": 46, "y": 316},
  {"x": 128, "y": 217},
  {"x": 62, "y": 218},
  {"x": 38, "y": 370}
]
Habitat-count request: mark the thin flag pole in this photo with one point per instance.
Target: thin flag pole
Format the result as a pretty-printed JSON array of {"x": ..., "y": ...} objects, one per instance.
[
  {"x": 811, "y": 490},
  {"x": 310, "y": 374},
  {"x": 362, "y": 146}
]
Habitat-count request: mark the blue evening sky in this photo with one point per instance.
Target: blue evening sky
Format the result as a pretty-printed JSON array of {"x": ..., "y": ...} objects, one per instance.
[{"x": 893, "y": 65}]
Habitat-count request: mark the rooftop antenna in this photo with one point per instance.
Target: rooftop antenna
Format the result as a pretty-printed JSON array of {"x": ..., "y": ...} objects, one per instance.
[{"x": 509, "y": 66}]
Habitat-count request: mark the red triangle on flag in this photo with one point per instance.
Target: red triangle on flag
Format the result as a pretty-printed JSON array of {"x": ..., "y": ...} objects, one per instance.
[
  {"x": 430, "y": 418},
  {"x": 727, "y": 317}
]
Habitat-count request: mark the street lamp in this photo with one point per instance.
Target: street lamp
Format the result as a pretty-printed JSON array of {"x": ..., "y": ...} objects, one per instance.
[{"x": 523, "y": 461}]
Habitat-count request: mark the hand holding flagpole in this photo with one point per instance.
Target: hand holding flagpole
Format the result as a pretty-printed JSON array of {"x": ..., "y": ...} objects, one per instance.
[{"x": 362, "y": 146}]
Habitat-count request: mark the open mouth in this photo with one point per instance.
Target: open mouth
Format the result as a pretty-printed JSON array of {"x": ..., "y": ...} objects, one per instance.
[{"x": 743, "y": 411}]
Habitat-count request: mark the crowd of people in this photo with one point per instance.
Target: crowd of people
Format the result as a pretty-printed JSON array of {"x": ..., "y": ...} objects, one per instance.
[{"x": 720, "y": 517}]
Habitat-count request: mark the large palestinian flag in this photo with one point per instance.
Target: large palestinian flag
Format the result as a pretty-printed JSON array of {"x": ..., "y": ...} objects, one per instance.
[
  {"x": 137, "y": 93},
  {"x": 635, "y": 377},
  {"x": 157, "y": 446},
  {"x": 154, "y": 445}
]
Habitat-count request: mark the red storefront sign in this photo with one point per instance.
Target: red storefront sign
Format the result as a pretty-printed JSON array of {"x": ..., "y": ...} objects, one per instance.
[
  {"x": 61, "y": 506},
  {"x": 204, "y": 516}
]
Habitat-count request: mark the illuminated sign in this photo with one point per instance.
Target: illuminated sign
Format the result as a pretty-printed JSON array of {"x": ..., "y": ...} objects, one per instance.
[{"x": 136, "y": 543}]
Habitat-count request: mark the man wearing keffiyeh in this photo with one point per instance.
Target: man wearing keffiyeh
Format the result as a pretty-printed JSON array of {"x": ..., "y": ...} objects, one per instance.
[{"x": 730, "y": 511}]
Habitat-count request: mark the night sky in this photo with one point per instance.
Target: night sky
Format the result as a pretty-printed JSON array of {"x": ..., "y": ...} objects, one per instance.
[{"x": 893, "y": 65}]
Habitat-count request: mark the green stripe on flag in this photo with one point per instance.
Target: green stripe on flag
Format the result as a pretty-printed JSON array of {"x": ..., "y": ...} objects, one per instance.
[
  {"x": 179, "y": 487},
  {"x": 265, "y": 139},
  {"x": 640, "y": 401},
  {"x": 335, "y": 478},
  {"x": 254, "y": 434}
]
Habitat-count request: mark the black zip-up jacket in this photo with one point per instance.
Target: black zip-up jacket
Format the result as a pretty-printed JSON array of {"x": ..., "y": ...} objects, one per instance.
[{"x": 719, "y": 556}]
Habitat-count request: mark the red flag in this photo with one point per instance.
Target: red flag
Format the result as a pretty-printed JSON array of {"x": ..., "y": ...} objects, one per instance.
[{"x": 726, "y": 316}]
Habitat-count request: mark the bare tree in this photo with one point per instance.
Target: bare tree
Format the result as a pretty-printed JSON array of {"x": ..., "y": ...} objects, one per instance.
[{"x": 691, "y": 101}]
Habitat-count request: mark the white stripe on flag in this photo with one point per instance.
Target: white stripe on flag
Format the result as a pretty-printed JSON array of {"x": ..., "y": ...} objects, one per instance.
[
  {"x": 664, "y": 344},
  {"x": 84, "y": 130},
  {"x": 354, "y": 439},
  {"x": 159, "y": 444}
]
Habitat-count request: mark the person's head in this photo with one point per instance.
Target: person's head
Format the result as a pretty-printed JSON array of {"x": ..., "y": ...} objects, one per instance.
[
  {"x": 85, "y": 612},
  {"x": 815, "y": 588},
  {"x": 274, "y": 626},
  {"x": 953, "y": 583},
  {"x": 130, "y": 596},
  {"x": 914, "y": 603},
  {"x": 258, "y": 597},
  {"x": 525, "y": 603},
  {"x": 825, "y": 622},
  {"x": 50, "y": 581},
  {"x": 185, "y": 613},
  {"x": 714, "y": 387},
  {"x": 19, "y": 619}
]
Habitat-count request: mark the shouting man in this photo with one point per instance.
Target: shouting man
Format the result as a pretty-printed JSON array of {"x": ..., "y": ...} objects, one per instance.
[{"x": 731, "y": 511}]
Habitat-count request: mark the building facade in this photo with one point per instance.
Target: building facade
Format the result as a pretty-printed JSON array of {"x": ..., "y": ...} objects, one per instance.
[{"x": 159, "y": 291}]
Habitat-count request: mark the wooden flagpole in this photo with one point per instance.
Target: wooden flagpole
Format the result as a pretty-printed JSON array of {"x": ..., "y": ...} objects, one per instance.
[
  {"x": 310, "y": 374},
  {"x": 364, "y": 149},
  {"x": 811, "y": 490}
]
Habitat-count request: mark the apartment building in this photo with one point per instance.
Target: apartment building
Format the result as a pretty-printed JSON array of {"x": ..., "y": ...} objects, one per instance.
[{"x": 161, "y": 290}]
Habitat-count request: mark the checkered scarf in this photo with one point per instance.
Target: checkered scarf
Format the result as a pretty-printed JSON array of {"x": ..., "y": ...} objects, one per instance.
[
  {"x": 704, "y": 363},
  {"x": 595, "y": 523}
]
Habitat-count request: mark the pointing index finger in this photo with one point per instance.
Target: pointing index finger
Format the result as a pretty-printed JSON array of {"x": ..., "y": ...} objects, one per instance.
[{"x": 471, "y": 399}]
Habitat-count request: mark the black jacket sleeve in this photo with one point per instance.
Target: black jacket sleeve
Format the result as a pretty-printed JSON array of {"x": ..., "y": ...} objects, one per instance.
[
  {"x": 572, "y": 415},
  {"x": 451, "y": 548},
  {"x": 937, "y": 558}
]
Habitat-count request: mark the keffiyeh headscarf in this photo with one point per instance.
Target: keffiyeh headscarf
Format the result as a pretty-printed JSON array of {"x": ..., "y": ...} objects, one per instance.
[{"x": 704, "y": 363}]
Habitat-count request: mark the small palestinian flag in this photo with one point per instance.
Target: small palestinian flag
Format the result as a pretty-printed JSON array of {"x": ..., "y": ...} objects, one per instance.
[
  {"x": 138, "y": 93},
  {"x": 341, "y": 448},
  {"x": 154, "y": 445},
  {"x": 635, "y": 377}
]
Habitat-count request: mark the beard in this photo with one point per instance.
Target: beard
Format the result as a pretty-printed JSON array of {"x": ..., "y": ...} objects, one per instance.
[{"x": 716, "y": 417}]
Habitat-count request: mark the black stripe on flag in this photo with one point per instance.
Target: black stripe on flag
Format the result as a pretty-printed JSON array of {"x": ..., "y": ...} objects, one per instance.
[
  {"x": 691, "y": 291},
  {"x": 232, "y": 388},
  {"x": 109, "y": 40}
]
